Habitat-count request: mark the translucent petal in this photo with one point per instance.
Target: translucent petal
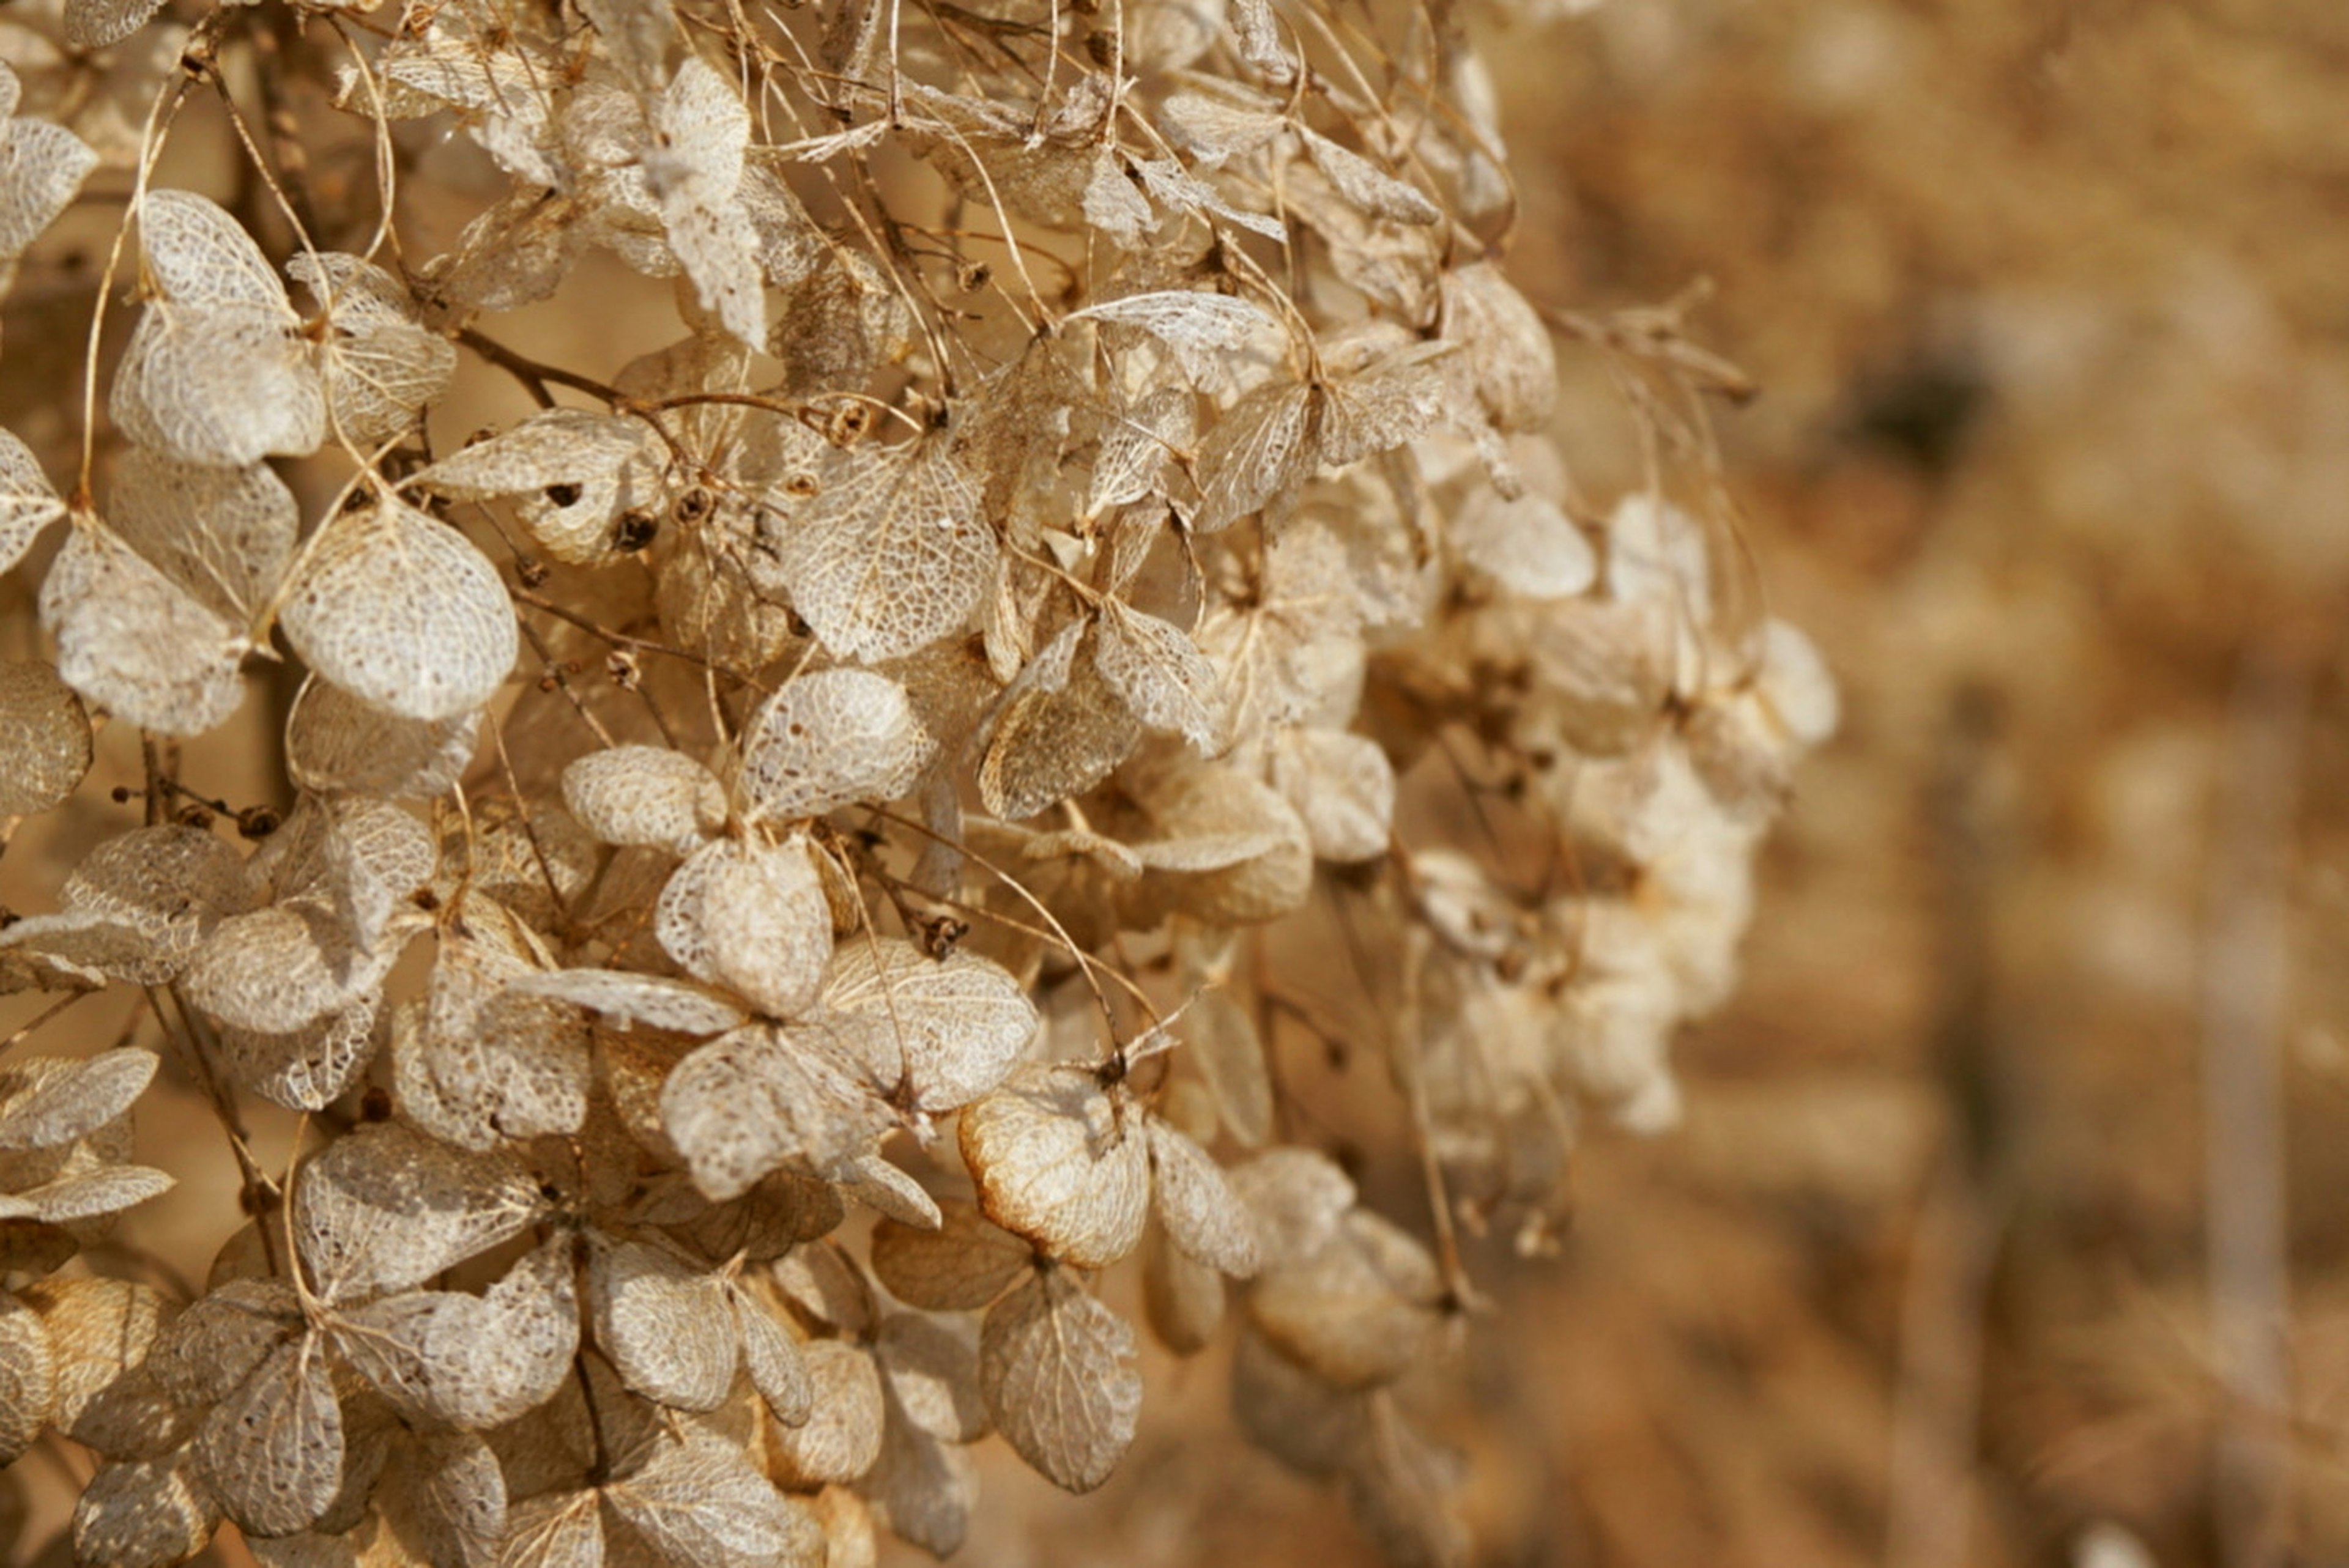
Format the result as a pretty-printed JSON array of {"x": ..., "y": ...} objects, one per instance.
[
  {"x": 133, "y": 642},
  {"x": 49, "y": 745},
  {"x": 829, "y": 739},
  {"x": 1062, "y": 1379}
]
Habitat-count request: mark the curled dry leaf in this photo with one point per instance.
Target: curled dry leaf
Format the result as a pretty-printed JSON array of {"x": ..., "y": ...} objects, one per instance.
[
  {"x": 1061, "y": 1379},
  {"x": 1058, "y": 1161}
]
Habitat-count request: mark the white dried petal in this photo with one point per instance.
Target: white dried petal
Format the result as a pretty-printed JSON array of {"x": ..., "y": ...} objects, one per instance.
[
  {"x": 1262, "y": 45},
  {"x": 1135, "y": 447},
  {"x": 644, "y": 795},
  {"x": 961, "y": 1265},
  {"x": 753, "y": 1099},
  {"x": 1057, "y": 1162},
  {"x": 401, "y": 610},
  {"x": 1203, "y": 1216},
  {"x": 1526, "y": 546},
  {"x": 942, "y": 1031},
  {"x": 449, "y": 1496},
  {"x": 892, "y": 552},
  {"x": 334, "y": 741},
  {"x": 205, "y": 1353},
  {"x": 28, "y": 502},
  {"x": 882, "y": 1186},
  {"x": 1507, "y": 345},
  {"x": 222, "y": 534},
  {"x": 226, "y": 384},
  {"x": 42, "y": 167},
  {"x": 649, "y": 999},
  {"x": 87, "y": 1195},
  {"x": 750, "y": 918},
  {"x": 381, "y": 367},
  {"x": 277, "y": 971},
  {"x": 445, "y": 1359},
  {"x": 693, "y": 167},
  {"x": 1214, "y": 130},
  {"x": 384, "y": 1209},
  {"x": 579, "y": 475},
  {"x": 1262, "y": 448},
  {"x": 200, "y": 256},
  {"x": 272, "y": 1452},
  {"x": 1195, "y": 321},
  {"x": 667, "y": 1328},
  {"x": 1049, "y": 744},
  {"x": 45, "y": 1110},
  {"x": 841, "y": 1437},
  {"x": 134, "y": 642},
  {"x": 1796, "y": 685},
  {"x": 1062, "y": 1379},
  {"x": 1367, "y": 186},
  {"x": 831, "y": 739},
  {"x": 1160, "y": 674}
]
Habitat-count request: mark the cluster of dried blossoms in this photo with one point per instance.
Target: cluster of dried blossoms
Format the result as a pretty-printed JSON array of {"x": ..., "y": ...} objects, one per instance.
[{"x": 1101, "y": 457}]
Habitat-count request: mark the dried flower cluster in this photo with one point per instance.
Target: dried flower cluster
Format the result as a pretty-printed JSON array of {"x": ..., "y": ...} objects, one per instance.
[{"x": 862, "y": 756}]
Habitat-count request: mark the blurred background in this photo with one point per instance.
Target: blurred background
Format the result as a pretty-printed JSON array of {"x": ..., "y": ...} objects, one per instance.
[{"x": 2009, "y": 1223}]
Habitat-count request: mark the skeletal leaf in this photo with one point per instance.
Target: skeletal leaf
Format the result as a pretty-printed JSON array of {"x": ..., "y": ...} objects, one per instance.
[
  {"x": 772, "y": 1356},
  {"x": 100, "y": 1189},
  {"x": 1135, "y": 448},
  {"x": 28, "y": 1379},
  {"x": 1203, "y": 1216},
  {"x": 960, "y": 1266},
  {"x": 1263, "y": 447},
  {"x": 750, "y": 918},
  {"x": 41, "y": 1112},
  {"x": 1344, "y": 789},
  {"x": 451, "y": 1359},
  {"x": 751, "y": 1100},
  {"x": 277, "y": 971},
  {"x": 201, "y": 1356},
  {"x": 829, "y": 739},
  {"x": 882, "y": 1186},
  {"x": 131, "y": 640},
  {"x": 41, "y": 168},
  {"x": 272, "y": 1452},
  {"x": 384, "y": 1209},
  {"x": 334, "y": 741},
  {"x": 692, "y": 166},
  {"x": 448, "y": 1498},
  {"x": 1261, "y": 44},
  {"x": 943, "y": 1030},
  {"x": 28, "y": 502},
  {"x": 667, "y": 1328},
  {"x": 1216, "y": 128},
  {"x": 379, "y": 364},
  {"x": 1057, "y": 1162},
  {"x": 1366, "y": 185},
  {"x": 1507, "y": 346},
  {"x": 579, "y": 474},
  {"x": 841, "y": 1437},
  {"x": 401, "y": 610},
  {"x": 143, "y": 1513},
  {"x": 483, "y": 1062},
  {"x": 1061, "y": 1379},
  {"x": 891, "y": 553},
  {"x": 1049, "y": 744},
  {"x": 701, "y": 1504},
  {"x": 228, "y": 384},
  {"x": 1195, "y": 320},
  {"x": 1159, "y": 672},
  {"x": 1359, "y": 1311},
  {"x": 649, "y": 999},
  {"x": 925, "y": 1487},
  {"x": 1225, "y": 1044},
  {"x": 644, "y": 795}
]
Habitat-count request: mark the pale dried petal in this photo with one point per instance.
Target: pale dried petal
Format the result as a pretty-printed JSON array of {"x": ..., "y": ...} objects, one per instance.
[
  {"x": 943, "y": 1031},
  {"x": 1203, "y": 1215},
  {"x": 772, "y": 1356},
  {"x": 930, "y": 1367},
  {"x": 751, "y": 919},
  {"x": 1182, "y": 1298},
  {"x": 42, "y": 167},
  {"x": 1299, "y": 1197},
  {"x": 58, "y": 1108},
  {"x": 1057, "y": 1162},
  {"x": 1526, "y": 546},
  {"x": 28, "y": 1379},
  {"x": 667, "y": 1328},
  {"x": 401, "y": 610},
  {"x": 1160, "y": 673},
  {"x": 646, "y": 795},
  {"x": 753, "y": 1099},
  {"x": 842, "y": 1438},
  {"x": 891, "y": 552},
  {"x": 449, "y": 1496},
  {"x": 143, "y": 1513},
  {"x": 132, "y": 641},
  {"x": 1357, "y": 1313},
  {"x": 334, "y": 741},
  {"x": 1367, "y": 186},
  {"x": 1061, "y": 1379},
  {"x": 227, "y": 384},
  {"x": 384, "y": 1209},
  {"x": 272, "y": 1451},
  {"x": 380, "y": 365},
  {"x": 701, "y": 1504},
  {"x": 830, "y": 739},
  {"x": 222, "y": 534},
  {"x": 28, "y": 502},
  {"x": 1344, "y": 789},
  {"x": 649, "y": 999}
]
